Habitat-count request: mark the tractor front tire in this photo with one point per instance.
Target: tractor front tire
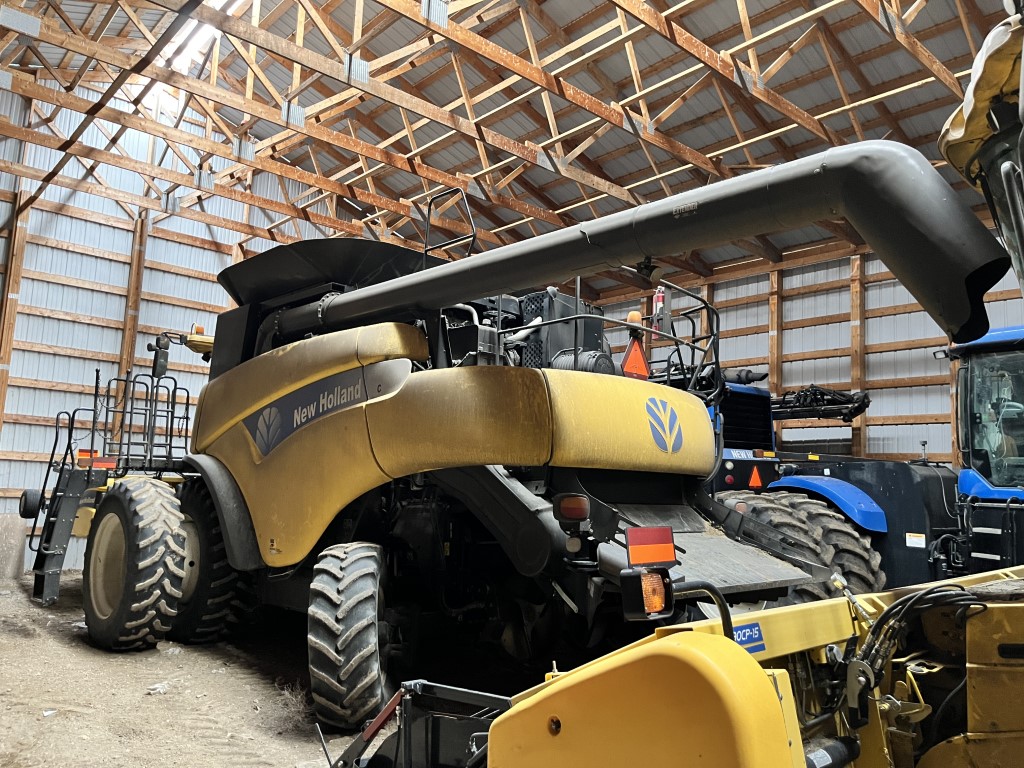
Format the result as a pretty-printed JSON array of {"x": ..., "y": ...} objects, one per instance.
[
  {"x": 134, "y": 565},
  {"x": 823, "y": 536},
  {"x": 346, "y": 635},
  {"x": 211, "y": 589}
]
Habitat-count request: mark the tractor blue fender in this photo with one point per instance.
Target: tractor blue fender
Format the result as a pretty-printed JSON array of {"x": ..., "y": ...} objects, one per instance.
[{"x": 847, "y": 498}]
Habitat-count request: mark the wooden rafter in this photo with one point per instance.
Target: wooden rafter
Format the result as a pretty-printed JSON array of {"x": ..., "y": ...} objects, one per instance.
[{"x": 611, "y": 107}]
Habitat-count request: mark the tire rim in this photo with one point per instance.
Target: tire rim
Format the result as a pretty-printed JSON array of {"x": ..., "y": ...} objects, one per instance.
[
  {"x": 188, "y": 583},
  {"x": 107, "y": 567}
]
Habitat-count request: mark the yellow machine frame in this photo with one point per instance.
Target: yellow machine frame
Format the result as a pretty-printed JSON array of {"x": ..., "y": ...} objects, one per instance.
[{"x": 688, "y": 690}]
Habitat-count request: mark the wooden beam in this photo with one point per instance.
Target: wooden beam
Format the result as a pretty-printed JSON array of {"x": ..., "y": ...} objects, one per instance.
[
  {"x": 727, "y": 67},
  {"x": 334, "y": 69},
  {"x": 858, "y": 364},
  {"x": 554, "y": 84},
  {"x": 311, "y": 129},
  {"x": 155, "y": 50},
  {"x": 890, "y": 22},
  {"x": 775, "y": 346},
  {"x": 350, "y": 226}
]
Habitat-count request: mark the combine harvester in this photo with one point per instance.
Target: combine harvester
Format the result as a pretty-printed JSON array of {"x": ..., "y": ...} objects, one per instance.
[
  {"x": 380, "y": 443},
  {"x": 921, "y": 676}
]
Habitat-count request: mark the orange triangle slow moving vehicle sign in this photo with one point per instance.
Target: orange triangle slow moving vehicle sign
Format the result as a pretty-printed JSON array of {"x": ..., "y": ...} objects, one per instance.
[
  {"x": 755, "y": 478},
  {"x": 634, "y": 362}
]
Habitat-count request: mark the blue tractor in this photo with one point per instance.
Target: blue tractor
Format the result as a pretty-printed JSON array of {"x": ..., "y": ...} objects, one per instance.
[
  {"x": 884, "y": 522},
  {"x": 828, "y": 506},
  {"x": 990, "y": 439}
]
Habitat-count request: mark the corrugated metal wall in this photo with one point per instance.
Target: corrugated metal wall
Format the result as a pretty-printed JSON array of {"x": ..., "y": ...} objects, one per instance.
[{"x": 72, "y": 302}]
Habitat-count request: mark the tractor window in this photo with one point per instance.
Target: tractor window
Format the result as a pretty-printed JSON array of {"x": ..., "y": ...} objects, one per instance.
[{"x": 994, "y": 413}]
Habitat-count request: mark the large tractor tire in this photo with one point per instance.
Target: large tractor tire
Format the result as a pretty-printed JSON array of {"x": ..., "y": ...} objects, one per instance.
[
  {"x": 348, "y": 636},
  {"x": 822, "y": 535},
  {"x": 211, "y": 589},
  {"x": 134, "y": 565}
]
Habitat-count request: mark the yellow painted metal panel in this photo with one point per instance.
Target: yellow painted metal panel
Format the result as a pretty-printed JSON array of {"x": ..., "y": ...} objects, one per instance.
[
  {"x": 685, "y": 693},
  {"x": 989, "y": 707},
  {"x": 457, "y": 417},
  {"x": 787, "y": 629},
  {"x": 1000, "y": 623},
  {"x": 974, "y": 750},
  {"x": 255, "y": 383},
  {"x": 295, "y": 492},
  {"x": 83, "y": 521},
  {"x": 604, "y": 422}
]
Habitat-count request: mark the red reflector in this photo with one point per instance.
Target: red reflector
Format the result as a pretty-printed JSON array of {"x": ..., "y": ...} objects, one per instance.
[
  {"x": 729, "y": 479},
  {"x": 755, "y": 479},
  {"x": 634, "y": 363},
  {"x": 650, "y": 547}
]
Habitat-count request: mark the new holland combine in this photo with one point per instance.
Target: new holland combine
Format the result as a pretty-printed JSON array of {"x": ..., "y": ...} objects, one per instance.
[
  {"x": 920, "y": 676},
  {"x": 386, "y": 439}
]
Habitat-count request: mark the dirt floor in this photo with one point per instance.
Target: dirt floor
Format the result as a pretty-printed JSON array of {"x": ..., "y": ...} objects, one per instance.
[{"x": 64, "y": 703}]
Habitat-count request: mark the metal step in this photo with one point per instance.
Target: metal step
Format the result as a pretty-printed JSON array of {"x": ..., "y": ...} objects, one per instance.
[{"x": 61, "y": 510}]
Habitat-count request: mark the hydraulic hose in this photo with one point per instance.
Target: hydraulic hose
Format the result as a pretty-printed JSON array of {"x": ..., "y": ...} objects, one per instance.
[{"x": 683, "y": 590}]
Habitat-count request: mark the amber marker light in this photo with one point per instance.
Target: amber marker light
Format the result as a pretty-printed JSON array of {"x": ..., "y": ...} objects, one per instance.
[{"x": 653, "y": 588}]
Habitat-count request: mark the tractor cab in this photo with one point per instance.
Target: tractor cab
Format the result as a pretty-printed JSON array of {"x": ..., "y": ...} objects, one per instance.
[{"x": 990, "y": 384}]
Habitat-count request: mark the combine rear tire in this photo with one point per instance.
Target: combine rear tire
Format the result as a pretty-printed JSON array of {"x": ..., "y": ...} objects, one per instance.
[
  {"x": 210, "y": 590},
  {"x": 134, "y": 562},
  {"x": 347, "y": 635},
  {"x": 823, "y": 536}
]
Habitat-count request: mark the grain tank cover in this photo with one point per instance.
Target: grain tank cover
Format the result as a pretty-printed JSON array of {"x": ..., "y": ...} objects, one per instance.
[{"x": 308, "y": 263}]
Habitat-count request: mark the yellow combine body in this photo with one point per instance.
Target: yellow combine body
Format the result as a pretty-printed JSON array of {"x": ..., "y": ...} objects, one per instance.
[{"x": 345, "y": 414}]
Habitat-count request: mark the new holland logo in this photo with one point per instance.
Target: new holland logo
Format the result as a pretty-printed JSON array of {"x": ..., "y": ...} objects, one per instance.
[
  {"x": 665, "y": 427},
  {"x": 268, "y": 430}
]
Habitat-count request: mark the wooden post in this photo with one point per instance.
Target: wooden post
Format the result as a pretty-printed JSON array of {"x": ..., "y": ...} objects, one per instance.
[
  {"x": 775, "y": 341},
  {"x": 133, "y": 300},
  {"x": 18, "y": 229},
  {"x": 954, "y": 374},
  {"x": 859, "y": 436},
  {"x": 707, "y": 292}
]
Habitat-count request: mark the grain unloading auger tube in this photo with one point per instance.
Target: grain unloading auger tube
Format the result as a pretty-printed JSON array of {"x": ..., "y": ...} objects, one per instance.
[{"x": 890, "y": 193}]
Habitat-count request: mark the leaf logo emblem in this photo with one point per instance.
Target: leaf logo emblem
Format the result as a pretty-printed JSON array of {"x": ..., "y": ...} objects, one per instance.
[
  {"x": 665, "y": 427},
  {"x": 268, "y": 430}
]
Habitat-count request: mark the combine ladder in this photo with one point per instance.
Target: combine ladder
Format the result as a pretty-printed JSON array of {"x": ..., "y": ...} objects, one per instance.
[
  {"x": 58, "y": 513},
  {"x": 137, "y": 426}
]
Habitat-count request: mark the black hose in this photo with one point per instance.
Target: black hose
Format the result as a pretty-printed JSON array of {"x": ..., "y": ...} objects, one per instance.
[
  {"x": 479, "y": 757},
  {"x": 686, "y": 589},
  {"x": 933, "y": 730}
]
